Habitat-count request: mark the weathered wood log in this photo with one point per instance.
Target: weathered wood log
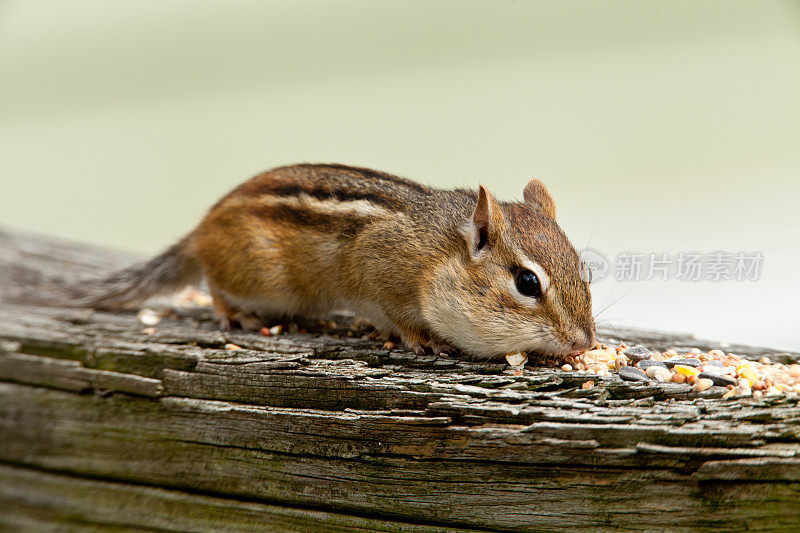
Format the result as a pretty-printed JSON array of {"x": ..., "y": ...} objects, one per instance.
[{"x": 105, "y": 425}]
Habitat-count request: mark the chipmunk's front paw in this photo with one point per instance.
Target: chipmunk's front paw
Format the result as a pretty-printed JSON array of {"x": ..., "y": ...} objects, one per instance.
[
  {"x": 438, "y": 347},
  {"x": 414, "y": 342},
  {"x": 422, "y": 344}
]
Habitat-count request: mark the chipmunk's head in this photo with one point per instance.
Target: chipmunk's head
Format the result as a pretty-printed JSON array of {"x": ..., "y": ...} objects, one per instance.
[{"x": 515, "y": 283}]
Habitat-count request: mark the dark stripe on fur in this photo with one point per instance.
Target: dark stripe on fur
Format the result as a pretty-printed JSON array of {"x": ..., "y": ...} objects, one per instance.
[
  {"x": 369, "y": 173},
  {"x": 330, "y": 181},
  {"x": 346, "y": 226},
  {"x": 325, "y": 193}
]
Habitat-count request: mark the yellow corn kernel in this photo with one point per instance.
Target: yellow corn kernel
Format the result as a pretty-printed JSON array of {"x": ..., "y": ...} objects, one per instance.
[
  {"x": 686, "y": 370},
  {"x": 747, "y": 373}
]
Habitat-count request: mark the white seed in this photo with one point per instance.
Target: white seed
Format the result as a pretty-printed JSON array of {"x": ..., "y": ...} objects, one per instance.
[
  {"x": 663, "y": 375},
  {"x": 516, "y": 359},
  {"x": 730, "y": 394},
  {"x": 148, "y": 317},
  {"x": 738, "y": 391},
  {"x": 651, "y": 371},
  {"x": 702, "y": 384}
]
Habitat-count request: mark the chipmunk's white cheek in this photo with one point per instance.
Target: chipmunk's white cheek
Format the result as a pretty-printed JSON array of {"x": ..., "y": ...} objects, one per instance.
[
  {"x": 444, "y": 307},
  {"x": 552, "y": 346}
]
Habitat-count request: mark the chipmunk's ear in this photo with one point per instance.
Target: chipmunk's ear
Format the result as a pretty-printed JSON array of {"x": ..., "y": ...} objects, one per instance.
[
  {"x": 536, "y": 194},
  {"x": 484, "y": 218}
]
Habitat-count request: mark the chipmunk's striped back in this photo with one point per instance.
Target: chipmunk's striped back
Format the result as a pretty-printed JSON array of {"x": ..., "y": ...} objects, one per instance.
[
  {"x": 431, "y": 266},
  {"x": 333, "y": 182}
]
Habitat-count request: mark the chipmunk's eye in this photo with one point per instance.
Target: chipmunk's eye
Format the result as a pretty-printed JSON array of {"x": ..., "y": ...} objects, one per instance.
[{"x": 528, "y": 283}]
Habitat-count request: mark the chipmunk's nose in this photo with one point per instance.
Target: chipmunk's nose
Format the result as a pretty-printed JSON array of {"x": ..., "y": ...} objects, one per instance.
[{"x": 581, "y": 340}]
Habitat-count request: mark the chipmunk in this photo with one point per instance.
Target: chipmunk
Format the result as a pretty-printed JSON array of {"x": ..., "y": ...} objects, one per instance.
[{"x": 437, "y": 268}]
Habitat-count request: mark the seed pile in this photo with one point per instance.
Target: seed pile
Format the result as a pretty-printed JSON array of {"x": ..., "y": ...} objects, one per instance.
[{"x": 702, "y": 370}]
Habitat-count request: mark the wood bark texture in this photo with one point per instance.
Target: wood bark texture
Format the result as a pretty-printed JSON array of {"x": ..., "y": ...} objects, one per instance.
[{"x": 106, "y": 426}]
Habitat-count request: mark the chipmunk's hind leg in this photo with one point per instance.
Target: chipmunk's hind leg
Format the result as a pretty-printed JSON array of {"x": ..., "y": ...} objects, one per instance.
[
  {"x": 380, "y": 335},
  {"x": 230, "y": 317}
]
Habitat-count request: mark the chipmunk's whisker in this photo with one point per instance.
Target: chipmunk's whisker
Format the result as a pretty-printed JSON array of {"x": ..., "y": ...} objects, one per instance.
[{"x": 605, "y": 308}]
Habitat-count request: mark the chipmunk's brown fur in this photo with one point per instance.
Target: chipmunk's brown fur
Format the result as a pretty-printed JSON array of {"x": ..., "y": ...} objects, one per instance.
[{"x": 435, "y": 267}]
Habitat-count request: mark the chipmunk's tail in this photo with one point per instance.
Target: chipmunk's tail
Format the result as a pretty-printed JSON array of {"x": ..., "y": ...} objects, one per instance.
[{"x": 168, "y": 272}]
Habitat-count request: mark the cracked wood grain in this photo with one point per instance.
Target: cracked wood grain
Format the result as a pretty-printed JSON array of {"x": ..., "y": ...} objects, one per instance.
[{"x": 329, "y": 431}]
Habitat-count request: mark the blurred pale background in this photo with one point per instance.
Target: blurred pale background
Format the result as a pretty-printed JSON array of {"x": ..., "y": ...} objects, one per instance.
[{"x": 658, "y": 126}]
